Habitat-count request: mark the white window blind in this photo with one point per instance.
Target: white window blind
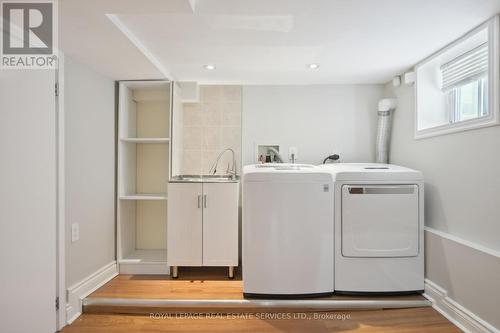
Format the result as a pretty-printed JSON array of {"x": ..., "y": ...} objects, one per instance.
[{"x": 467, "y": 67}]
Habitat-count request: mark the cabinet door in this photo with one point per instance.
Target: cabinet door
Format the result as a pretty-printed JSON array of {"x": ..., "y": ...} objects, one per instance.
[
  {"x": 184, "y": 224},
  {"x": 220, "y": 224}
]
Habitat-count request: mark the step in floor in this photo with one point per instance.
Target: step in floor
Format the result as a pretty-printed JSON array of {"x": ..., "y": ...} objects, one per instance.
[{"x": 202, "y": 290}]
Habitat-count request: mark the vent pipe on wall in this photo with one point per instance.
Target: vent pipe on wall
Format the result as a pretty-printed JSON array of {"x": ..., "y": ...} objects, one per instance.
[{"x": 385, "y": 108}]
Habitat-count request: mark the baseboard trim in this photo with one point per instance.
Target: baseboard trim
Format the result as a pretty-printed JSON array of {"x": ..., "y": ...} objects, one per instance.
[
  {"x": 454, "y": 312},
  {"x": 77, "y": 292}
]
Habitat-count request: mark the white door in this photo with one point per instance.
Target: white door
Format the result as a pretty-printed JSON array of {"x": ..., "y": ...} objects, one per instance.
[
  {"x": 27, "y": 201},
  {"x": 380, "y": 220},
  {"x": 220, "y": 224},
  {"x": 184, "y": 224}
]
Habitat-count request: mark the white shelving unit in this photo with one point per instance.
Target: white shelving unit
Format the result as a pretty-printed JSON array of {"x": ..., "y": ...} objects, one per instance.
[
  {"x": 145, "y": 140},
  {"x": 144, "y": 160},
  {"x": 150, "y": 256},
  {"x": 143, "y": 196}
]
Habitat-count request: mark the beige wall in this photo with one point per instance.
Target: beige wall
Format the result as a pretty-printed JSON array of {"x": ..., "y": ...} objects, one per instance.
[
  {"x": 462, "y": 192},
  {"x": 210, "y": 126},
  {"x": 90, "y": 169}
]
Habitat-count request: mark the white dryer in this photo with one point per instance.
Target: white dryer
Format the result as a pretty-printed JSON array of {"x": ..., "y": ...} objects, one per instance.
[
  {"x": 287, "y": 231},
  {"x": 379, "y": 220}
]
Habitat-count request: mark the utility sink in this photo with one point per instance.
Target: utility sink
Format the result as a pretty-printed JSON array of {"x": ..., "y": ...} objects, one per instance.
[{"x": 205, "y": 179}]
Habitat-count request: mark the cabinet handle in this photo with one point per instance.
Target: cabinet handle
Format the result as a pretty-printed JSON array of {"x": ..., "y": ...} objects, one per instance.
[
  {"x": 205, "y": 201},
  {"x": 199, "y": 200}
]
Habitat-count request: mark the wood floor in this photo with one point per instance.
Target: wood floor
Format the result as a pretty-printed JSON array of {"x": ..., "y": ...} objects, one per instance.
[
  {"x": 192, "y": 283},
  {"x": 212, "y": 284},
  {"x": 387, "y": 321}
]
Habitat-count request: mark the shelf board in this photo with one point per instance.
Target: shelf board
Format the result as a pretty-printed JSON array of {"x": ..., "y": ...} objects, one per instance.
[
  {"x": 146, "y": 140},
  {"x": 145, "y": 256},
  {"x": 144, "y": 196}
]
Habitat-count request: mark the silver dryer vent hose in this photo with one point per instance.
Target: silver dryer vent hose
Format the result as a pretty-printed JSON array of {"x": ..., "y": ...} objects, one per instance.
[{"x": 386, "y": 108}]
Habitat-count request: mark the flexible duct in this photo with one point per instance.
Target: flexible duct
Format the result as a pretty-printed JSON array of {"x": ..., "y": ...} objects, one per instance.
[{"x": 385, "y": 109}]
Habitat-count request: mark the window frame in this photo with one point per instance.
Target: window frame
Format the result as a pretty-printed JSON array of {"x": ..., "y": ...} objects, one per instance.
[
  {"x": 493, "y": 116},
  {"x": 453, "y": 101}
]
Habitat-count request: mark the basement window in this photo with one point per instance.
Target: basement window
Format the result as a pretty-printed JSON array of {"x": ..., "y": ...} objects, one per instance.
[{"x": 457, "y": 88}]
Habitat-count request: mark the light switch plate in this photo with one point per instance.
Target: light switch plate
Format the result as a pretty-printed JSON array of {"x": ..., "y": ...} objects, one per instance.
[{"x": 75, "y": 232}]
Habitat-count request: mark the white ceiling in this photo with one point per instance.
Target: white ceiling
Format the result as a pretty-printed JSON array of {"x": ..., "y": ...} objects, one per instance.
[
  {"x": 264, "y": 41},
  {"x": 86, "y": 34}
]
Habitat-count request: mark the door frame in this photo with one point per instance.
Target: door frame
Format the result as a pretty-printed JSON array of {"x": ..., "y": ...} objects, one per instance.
[{"x": 61, "y": 319}]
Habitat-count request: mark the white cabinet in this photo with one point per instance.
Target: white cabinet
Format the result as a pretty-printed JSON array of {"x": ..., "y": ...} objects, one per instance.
[
  {"x": 202, "y": 224},
  {"x": 220, "y": 224},
  {"x": 185, "y": 230}
]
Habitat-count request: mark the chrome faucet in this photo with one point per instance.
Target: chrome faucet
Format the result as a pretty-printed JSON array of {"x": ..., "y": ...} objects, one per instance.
[{"x": 230, "y": 171}]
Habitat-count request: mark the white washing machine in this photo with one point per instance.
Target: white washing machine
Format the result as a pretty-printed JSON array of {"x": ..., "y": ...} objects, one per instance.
[
  {"x": 379, "y": 236},
  {"x": 287, "y": 231}
]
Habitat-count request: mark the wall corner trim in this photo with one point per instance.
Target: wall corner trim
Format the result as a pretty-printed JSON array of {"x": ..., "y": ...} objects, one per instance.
[
  {"x": 464, "y": 242},
  {"x": 454, "y": 312},
  {"x": 77, "y": 292}
]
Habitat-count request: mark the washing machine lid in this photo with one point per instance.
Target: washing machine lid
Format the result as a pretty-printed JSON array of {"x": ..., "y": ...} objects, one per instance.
[
  {"x": 371, "y": 172},
  {"x": 285, "y": 172}
]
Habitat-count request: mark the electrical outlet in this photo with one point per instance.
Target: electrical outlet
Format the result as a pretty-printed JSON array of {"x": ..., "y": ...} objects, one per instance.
[
  {"x": 292, "y": 154},
  {"x": 75, "y": 232}
]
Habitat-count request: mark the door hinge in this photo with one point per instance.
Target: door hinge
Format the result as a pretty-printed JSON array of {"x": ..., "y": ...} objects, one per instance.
[
  {"x": 56, "y": 89},
  {"x": 57, "y": 303}
]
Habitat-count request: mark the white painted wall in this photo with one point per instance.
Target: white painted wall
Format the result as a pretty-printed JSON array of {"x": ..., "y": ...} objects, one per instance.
[
  {"x": 461, "y": 172},
  {"x": 317, "y": 119},
  {"x": 468, "y": 275},
  {"x": 90, "y": 170},
  {"x": 27, "y": 201},
  {"x": 462, "y": 191}
]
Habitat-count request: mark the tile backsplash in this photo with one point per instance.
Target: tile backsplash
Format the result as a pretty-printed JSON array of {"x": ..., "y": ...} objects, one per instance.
[{"x": 210, "y": 126}]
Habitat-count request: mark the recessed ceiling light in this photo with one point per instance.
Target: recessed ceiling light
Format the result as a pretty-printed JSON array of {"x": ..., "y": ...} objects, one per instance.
[
  {"x": 209, "y": 67},
  {"x": 313, "y": 66}
]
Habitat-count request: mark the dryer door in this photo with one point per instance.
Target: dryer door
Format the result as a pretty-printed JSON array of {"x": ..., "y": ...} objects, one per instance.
[{"x": 380, "y": 220}]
